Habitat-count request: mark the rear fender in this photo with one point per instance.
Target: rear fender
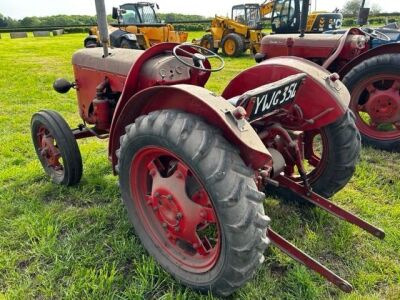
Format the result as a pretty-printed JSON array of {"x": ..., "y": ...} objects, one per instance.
[
  {"x": 197, "y": 101},
  {"x": 319, "y": 95},
  {"x": 380, "y": 50}
]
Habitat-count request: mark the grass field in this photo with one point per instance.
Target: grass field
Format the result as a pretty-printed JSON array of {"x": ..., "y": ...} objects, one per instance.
[{"x": 77, "y": 243}]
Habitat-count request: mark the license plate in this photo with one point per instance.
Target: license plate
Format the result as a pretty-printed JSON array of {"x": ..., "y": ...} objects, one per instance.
[{"x": 275, "y": 95}]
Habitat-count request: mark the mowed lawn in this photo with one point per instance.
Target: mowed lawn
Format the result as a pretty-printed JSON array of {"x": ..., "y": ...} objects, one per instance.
[{"x": 77, "y": 243}]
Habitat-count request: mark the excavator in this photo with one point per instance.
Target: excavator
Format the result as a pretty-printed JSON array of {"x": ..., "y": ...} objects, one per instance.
[{"x": 243, "y": 30}]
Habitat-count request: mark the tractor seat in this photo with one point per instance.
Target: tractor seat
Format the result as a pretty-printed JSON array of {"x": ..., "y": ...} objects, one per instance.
[{"x": 118, "y": 62}]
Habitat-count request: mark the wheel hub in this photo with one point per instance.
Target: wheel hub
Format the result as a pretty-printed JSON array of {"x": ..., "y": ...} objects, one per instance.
[
  {"x": 383, "y": 106},
  {"x": 48, "y": 150},
  {"x": 175, "y": 209},
  {"x": 168, "y": 209},
  {"x": 376, "y": 104}
]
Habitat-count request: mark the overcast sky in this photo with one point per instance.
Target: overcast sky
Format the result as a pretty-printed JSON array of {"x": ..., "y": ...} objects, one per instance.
[{"x": 18, "y": 9}]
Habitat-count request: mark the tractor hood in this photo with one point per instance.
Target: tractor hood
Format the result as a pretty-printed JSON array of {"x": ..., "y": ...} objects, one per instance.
[
  {"x": 310, "y": 46},
  {"x": 118, "y": 62}
]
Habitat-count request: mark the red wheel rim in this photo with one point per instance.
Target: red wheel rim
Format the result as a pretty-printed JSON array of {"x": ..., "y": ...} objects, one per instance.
[
  {"x": 175, "y": 209},
  {"x": 48, "y": 150},
  {"x": 315, "y": 155},
  {"x": 376, "y": 104}
]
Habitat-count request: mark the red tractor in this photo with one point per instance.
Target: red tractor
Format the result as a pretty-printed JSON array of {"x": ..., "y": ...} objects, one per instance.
[
  {"x": 192, "y": 165},
  {"x": 372, "y": 75}
]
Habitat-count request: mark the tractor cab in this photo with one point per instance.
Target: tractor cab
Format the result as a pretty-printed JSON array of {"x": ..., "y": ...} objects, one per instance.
[
  {"x": 286, "y": 14},
  {"x": 248, "y": 14},
  {"x": 136, "y": 13}
]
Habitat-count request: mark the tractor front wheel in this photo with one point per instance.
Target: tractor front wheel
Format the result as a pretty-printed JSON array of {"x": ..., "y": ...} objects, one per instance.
[
  {"x": 192, "y": 200},
  {"x": 232, "y": 45},
  {"x": 374, "y": 86},
  {"x": 56, "y": 147}
]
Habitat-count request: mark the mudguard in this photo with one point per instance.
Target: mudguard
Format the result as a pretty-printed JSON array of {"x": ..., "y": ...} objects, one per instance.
[
  {"x": 380, "y": 50},
  {"x": 322, "y": 98},
  {"x": 197, "y": 101},
  {"x": 117, "y": 36}
]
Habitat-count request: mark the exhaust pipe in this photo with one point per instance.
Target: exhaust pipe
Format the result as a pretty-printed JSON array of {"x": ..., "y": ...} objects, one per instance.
[
  {"x": 102, "y": 25},
  {"x": 304, "y": 16}
]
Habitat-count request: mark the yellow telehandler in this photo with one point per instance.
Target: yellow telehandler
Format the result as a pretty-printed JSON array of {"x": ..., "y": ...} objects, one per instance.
[
  {"x": 138, "y": 27},
  {"x": 244, "y": 29}
]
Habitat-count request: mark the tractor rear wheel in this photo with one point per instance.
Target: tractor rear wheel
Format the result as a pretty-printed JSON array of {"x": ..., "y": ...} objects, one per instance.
[
  {"x": 330, "y": 157},
  {"x": 374, "y": 86},
  {"x": 56, "y": 147},
  {"x": 232, "y": 45},
  {"x": 207, "y": 41},
  {"x": 128, "y": 44},
  {"x": 192, "y": 200}
]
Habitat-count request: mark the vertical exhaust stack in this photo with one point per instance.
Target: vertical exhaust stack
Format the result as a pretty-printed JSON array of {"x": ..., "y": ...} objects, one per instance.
[
  {"x": 102, "y": 25},
  {"x": 304, "y": 16}
]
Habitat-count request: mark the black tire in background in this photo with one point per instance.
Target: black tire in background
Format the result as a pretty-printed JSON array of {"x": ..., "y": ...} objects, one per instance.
[
  {"x": 343, "y": 152},
  {"x": 90, "y": 43},
  {"x": 128, "y": 44},
  {"x": 207, "y": 41},
  {"x": 232, "y": 39},
  {"x": 381, "y": 64},
  {"x": 65, "y": 142},
  {"x": 228, "y": 181}
]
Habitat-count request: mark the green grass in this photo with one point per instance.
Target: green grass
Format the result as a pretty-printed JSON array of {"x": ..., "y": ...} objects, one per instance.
[{"x": 77, "y": 243}]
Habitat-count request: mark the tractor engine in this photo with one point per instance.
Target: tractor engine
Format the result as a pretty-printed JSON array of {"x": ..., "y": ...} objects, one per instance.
[{"x": 316, "y": 48}]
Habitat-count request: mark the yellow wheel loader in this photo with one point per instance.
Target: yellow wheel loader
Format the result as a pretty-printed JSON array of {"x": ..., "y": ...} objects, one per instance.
[
  {"x": 138, "y": 27},
  {"x": 243, "y": 30}
]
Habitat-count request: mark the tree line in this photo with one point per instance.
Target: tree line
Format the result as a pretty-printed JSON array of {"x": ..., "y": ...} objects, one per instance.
[{"x": 72, "y": 20}]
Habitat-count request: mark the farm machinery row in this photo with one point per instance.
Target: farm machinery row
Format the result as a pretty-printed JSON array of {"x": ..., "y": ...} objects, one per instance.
[{"x": 193, "y": 166}]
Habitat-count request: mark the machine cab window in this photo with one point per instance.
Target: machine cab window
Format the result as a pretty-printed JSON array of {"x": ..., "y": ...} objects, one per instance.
[
  {"x": 248, "y": 14},
  {"x": 129, "y": 14},
  {"x": 286, "y": 16},
  {"x": 139, "y": 13},
  {"x": 147, "y": 14}
]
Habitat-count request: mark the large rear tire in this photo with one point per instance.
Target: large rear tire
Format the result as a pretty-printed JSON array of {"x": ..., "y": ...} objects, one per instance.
[
  {"x": 334, "y": 162},
  {"x": 374, "y": 86},
  {"x": 56, "y": 147},
  {"x": 172, "y": 167},
  {"x": 232, "y": 45}
]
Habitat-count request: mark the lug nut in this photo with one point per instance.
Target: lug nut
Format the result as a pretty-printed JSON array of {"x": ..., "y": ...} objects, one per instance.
[
  {"x": 169, "y": 197},
  {"x": 179, "y": 216},
  {"x": 156, "y": 194},
  {"x": 176, "y": 228},
  {"x": 164, "y": 225}
]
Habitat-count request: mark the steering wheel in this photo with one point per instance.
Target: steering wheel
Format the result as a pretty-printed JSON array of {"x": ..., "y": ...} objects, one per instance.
[
  {"x": 198, "y": 58},
  {"x": 375, "y": 34}
]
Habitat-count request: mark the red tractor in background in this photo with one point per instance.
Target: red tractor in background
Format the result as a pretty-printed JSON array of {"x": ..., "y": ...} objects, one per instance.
[
  {"x": 372, "y": 75},
  {"x": 192, "y": 165}
]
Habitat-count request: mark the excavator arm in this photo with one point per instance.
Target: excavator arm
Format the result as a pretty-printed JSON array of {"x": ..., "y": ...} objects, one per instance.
[{"x": 266, "y": 7}]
